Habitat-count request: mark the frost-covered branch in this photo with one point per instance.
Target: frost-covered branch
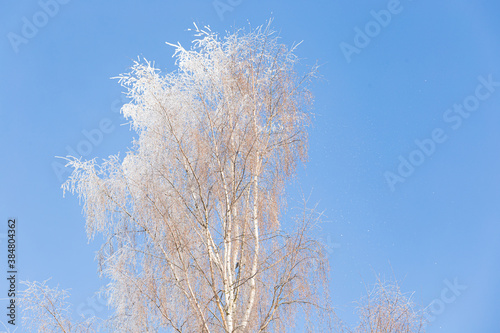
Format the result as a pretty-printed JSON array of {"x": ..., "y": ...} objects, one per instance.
[{"x": 46, "y": 309}]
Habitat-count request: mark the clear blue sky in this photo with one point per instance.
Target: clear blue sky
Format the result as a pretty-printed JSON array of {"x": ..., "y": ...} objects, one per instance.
[{"x": 395, "y": 82}]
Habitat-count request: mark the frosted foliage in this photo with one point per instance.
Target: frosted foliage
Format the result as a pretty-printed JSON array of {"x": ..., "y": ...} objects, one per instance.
[
  {"x": 386, "y": 309},
  {"x": 191, "y": 214},
  {"x": 47, "y": 310}
]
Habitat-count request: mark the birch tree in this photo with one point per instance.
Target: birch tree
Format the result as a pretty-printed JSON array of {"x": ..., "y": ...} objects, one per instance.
[{"x": 192, "y": 214}]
